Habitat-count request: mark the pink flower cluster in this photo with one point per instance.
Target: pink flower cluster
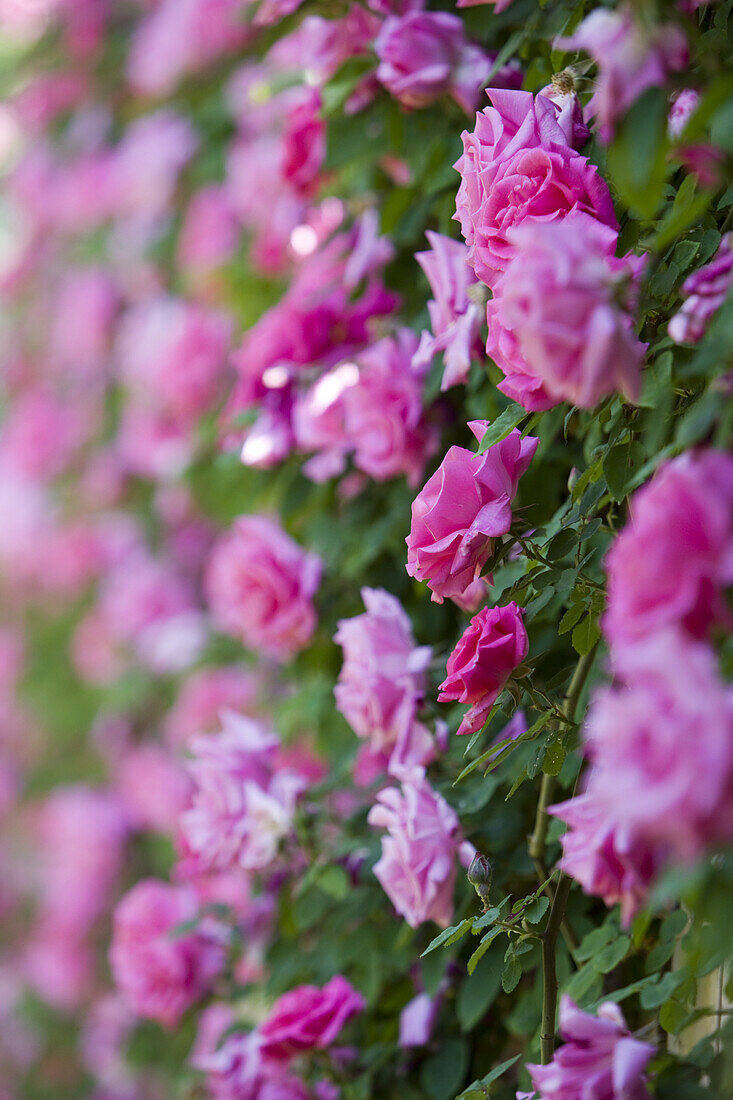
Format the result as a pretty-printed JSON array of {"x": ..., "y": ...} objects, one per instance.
[
  {"x": 660, "y": 740},
  {"x": 536, "y": 213},
  {"x": 704, "y": 293},
  {"x": 381, "y": 685},
  {"x": 417, "y": 868},
  {"x": 257, "y": 1065}
]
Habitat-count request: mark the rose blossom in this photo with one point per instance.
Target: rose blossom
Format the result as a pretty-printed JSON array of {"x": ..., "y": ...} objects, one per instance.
[
  {"x": 308, "y": 1018},
  {"x": 417, "y": 1020},
  {"x": 161, "y": 973},
  {"x": 417, "y": 868},
  {"x": 492, "y": 646},
  {"x": 425, "y": 54},
  {"x": 243, "y": 804},
  {"x": 600, "y": 1058},
  {"x": 454, "y": 318},
  {"x": 203, "y": 696},
  {"x": 573, "y": 337},
  {"x": 304, "y": 143},
  {"x": 672, "y": 562},
  {"x": 381, "y": 684},
  {"x": 210, "y": 231},
  {"x": 607, "y": 864},
  {"x": 662, "y": 741},
  {"x": 463, "y": 507},
  {"x": 682, "y": 108},
  {"x": 517, "y": 164},
  {"x": 260, "y": 586},
  {"x": 630, "y": 59},
  {"x": 704, "y": 293}
]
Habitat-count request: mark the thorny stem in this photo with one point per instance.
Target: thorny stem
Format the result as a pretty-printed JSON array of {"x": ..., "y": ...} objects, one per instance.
[{"x": 537, "y": 843}]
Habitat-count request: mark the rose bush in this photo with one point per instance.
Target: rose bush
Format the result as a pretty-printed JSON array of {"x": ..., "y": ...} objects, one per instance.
[{"x": 366, "y": 376}]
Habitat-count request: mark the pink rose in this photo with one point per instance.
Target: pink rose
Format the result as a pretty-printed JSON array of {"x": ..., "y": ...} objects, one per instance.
[
  {"x": 308, "y": 1018},
  {"x": 619, "y": 869},
  {"x": 630, "y": 56},
  {"x": 672, "y": 562},
  {"x": 423, "y": 55},
  {"x": 518, "y": 164},
  {"x": 503, "y": 346},
  {"x": 161, "y": 973},
  {"x": 463, "y": 507},
  {"x": 682, "y": 107},
  {"x": 492, "y": 646},
  {"x": 260, "y": 586},
  {"x": 454, "y": 317},
  {"x": 304, "y": 143},
  {"x": 600, "y": 1058},
  {"x": 661, "y": 740},
  {"x": 210, "y": 231},
  {"x": 201, "y": 698},
  {"x": 417, "y": 868},
  {"x": 243, "y": 803},
  {"x": 573, "y": 339},
  {"x": 381, "y": 684},
  {"x": 704, "y": 293},
  {"x": 417, "y": 1020}
]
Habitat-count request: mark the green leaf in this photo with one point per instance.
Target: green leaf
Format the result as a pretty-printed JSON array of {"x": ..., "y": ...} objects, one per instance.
[
  {"x": 652, "y": 996},
  {"x": 672, "y": 1016},
  {"x": 637, "y": 158},
  {"x": 616, "y": 470},
  {"x": 482, "y": 948},
  {"x": 611, "y": 955},
  {"x": 478, "y": 993},
  {"x": 443, "y": 1072},
  {"x": 574, "y": 613},
  {"x": 334, "y": 881},
  {"x": 486, "y": 919},
  {"x": 501, "y": 427},
  {"x": 511, "y": 974},
  {"x": 448, "y": 936},
  {"x": 585, "y": 635},
  {"x": 554, "y": 759},
  {"x": 536, "y": 910},
  {"x": 688, "y": 206},
  {"x": 478, "y": 1090}
]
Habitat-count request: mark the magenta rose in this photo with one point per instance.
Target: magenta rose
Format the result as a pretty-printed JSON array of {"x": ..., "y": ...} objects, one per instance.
[
  {"x": 161, "y": 973},
  {"x": 417, "y": 868},
  {"x": 492, "y": 646},
  {"x": 672, "y": 562},
  {"x": 464, "y": 506},
  {"x": 600, "y": 1058},
  {"x": 308, "y": 1018},
  {"x": 260, "y": 586},
  {"x": 517, "y": 164},
  {"x": 304, "y": 143},
  {"x": 503, "y": 346},
  {"x": 574, "y": 338}
]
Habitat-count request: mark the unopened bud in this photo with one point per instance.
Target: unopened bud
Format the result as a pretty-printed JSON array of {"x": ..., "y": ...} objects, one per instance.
[{"x": 479, "y": 874}]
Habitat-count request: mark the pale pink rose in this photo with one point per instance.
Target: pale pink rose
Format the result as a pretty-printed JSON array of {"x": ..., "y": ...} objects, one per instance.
[
  {"x": 304, "y": 143},
  {"x": 210, "y": 231},
  {"x": 619, "y": 869},
  {"x": 423, "y": 55},
  {"x": 103, "y": 1038},
  {"x": 704, "y": 293},
  {"x": 417, "y": 1021},
  {"x": 631, "y": 57},
  {"x": 454, "y": 318},
  {"x": 203, "y": 696},
  {"x": 308, "y": 1018},
  {"x": 383, "y": 413},
  {"x": 237, "y": 1071},
  {"x": 671, "y": 564},
  {"x": 574, "y": 338},
  {"x": 243, "y": 804},
  {"x": 381, "y": 684},
  {"x": 661, "y": 740},
  {"x": 463, "y": 507},
  {"x": 319, "y": 422},
  {"x": 491, "y": 648},
  {"x": 417, "y": 868},
  {"x": 563, "y": 93},
  {"x": 146, "y": 164},
  {"x": 58, "y": 964},
  {"x": 600, "y": 1058},
  {"x": 153, "y": 787},
  {"x": 179, "y": 37},
  {"x": 47, "y": 95},
  {"x": 517, "y": 164},
  {"x": 260, "y": 586},
  {"x": 84, "y": 310},
  {"x": 159, "y": 971},
  {"x": 42, "y": 433}
]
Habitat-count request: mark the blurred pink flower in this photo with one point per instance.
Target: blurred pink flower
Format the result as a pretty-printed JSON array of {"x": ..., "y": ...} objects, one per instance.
[
  {"x": 463, "y": 507},
  {"x": 203, "y": 696},
  {"x": 153, "y": 787},
  {"x": 600, "y": 1058},
  {"x": 160, "y": 971},
  {"x": 260, "y": 586},
  {"x": 417, "y": 1021},
  {"x": 489, "y": 651},
  {"x": 308, "y": 1018},
  {"x": 210, "y": 230},
  {"x": 304, "y": 142},
  {"x": 630, "y": 59},
  {"x": 704, "y": 293}
]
